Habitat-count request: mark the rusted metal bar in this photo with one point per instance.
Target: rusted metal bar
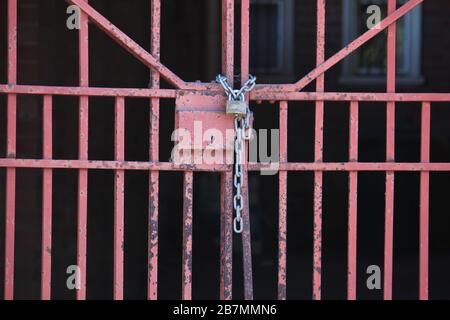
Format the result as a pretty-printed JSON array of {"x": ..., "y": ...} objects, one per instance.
[
  {"x": 169, "y": 166},
  {"x": 226, "y": 178},
  {"x": 424, "y": 202},
  {"x": 246, "y": 235},
  {"x": 318, "y": 154},
  {"x": 350, "y": 96},
  {"x": 47, "y": 186},
  {"x": 155, "y": 34},
  {"x": 119, "y": 143},
  {"x": 282, "y": 204},
  {"x": 228, "y": 39},
  {"x": 245, "y": 40},
  {"x": 83, "y": 129},
  {"x": 352, "y": 203},
  {"x": 246, "y": 240},
  {"x": 390, "y": 156},
  {"x": 226, "y": 244},
  {"x": 11, "y": 152},
  {"x": 186, "y": 276},
  {"x": 88, "y": 91},
  {"x": 258, "y": 96}
]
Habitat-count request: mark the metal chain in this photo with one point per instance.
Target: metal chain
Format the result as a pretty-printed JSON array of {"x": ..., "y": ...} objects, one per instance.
[{"x": 243, "y": 130}]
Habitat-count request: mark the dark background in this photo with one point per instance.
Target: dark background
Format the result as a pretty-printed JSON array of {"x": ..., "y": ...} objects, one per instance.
[{"x": 190, "y": 46}]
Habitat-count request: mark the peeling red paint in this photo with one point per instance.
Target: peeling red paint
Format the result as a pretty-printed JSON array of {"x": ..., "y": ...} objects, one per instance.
[{"x": 186, "y": 282}]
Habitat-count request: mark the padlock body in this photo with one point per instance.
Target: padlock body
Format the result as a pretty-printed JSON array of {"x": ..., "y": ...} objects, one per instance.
[{"x": 236, "y": 107}]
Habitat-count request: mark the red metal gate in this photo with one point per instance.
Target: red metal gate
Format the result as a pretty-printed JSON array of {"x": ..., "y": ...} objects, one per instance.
[{"x": 282, "y": 93}]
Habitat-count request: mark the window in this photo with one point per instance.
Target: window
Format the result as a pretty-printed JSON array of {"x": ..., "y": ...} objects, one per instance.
[
  {"x": 368, "y": 64},
  {"x": 271, "y": 39}
]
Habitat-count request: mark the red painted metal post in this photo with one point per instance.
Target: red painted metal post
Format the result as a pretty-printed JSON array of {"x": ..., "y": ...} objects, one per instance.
[
  {"x": 228, "y": 39},
  {"x": 390, "y": 156},
  {"x": 318, "y": 154},
  {"x": 11, "y": 152},
  {"x": 245, "y": 40},
  {"x": 424, "y": 202},
  {"x": 282, "y": 204},
  {"x": 47, "y": 186},
  {"x": 170, "y": 167},
  {"x": 186, "y": 284},
  {"x": 226, "y": 246},
  {"x": 119, "y": 177},
  {"x": 246, "y": 235},
  {"x": 83, "y": 154},
  {"x": 226, "y": 187},
  {"x": 152, "y": 291},
  {"x": 352, "y": 203}
]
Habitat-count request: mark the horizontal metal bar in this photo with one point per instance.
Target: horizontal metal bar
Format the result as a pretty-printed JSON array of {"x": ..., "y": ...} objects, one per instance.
[
  {"x": 350, "y": 96},
  {"x": 255, "y": 96},
  {"x": 168, "y": 166},
  {"x": 88, "y": 91}
]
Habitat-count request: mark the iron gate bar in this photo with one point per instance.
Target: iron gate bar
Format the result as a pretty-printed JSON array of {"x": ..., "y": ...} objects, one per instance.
[
  {"x": 424, "y": 202},
  {"x": 246, "y": 236},
  {"x": 119, "y": 186},
  {"x": 47, "y": 190},
  {"x": 83, "y": 149},
  {"x": 352, "y": 202},
  {"x": 318, "y": 154},
  {"x": 88, "y": 91},
  {"x": 390, "y": 155},
  {"x": 226, "y": 231},
  {"x": 186, "y": 281},
  {"x": 254, "y": 96},
  {"x": 226, "y": 187},
  {"x": 170, "y": 167},
  {"x": 155, "y": 39},
  {"x": 282, "y": 204},
  {"x": 11, "y": 152}
]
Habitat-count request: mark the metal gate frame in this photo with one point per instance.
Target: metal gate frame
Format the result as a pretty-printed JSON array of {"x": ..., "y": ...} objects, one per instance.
[{"x": 282, "y": 93}]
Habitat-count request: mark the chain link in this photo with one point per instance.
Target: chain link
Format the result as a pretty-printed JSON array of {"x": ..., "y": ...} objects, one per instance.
[{"x": 243, "y": 130}]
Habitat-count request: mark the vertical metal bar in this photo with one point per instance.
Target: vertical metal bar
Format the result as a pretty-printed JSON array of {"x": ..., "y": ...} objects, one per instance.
[
  {"x": 226, "y": 186},
  {"x": 186, "y": 284},
  {"x": 152, "y": 290},
  {"x": 119, "y": 198},
  {"x": 282, "y": 204},
  {"x": 246, "y": 235},
  {"x": 352, "y": 203},
  {"x": 228, "y": 39},
  {"x": 390, "y": 156},
  {"x": 245, "y": 39},
  {"x": 246, "y": 241},
  {"x": 83, "y": 154},
  {"x": 226, "y": 245},
  {"x": 47, "y": 186},
  {"x": 11, "y": 152},
  {"x": 318, "y": 154},
  {"x": 424, "y": 202}
]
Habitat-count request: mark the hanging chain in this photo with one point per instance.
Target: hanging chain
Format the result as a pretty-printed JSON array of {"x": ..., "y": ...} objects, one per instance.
[{"x": 243, "y": 130}]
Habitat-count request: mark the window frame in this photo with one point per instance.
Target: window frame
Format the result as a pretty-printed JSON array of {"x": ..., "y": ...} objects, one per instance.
[{"x": 411, "y": 75}]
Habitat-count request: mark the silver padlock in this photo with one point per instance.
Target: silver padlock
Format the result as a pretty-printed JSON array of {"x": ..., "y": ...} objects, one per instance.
[{"x": 237, "y": 107}]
